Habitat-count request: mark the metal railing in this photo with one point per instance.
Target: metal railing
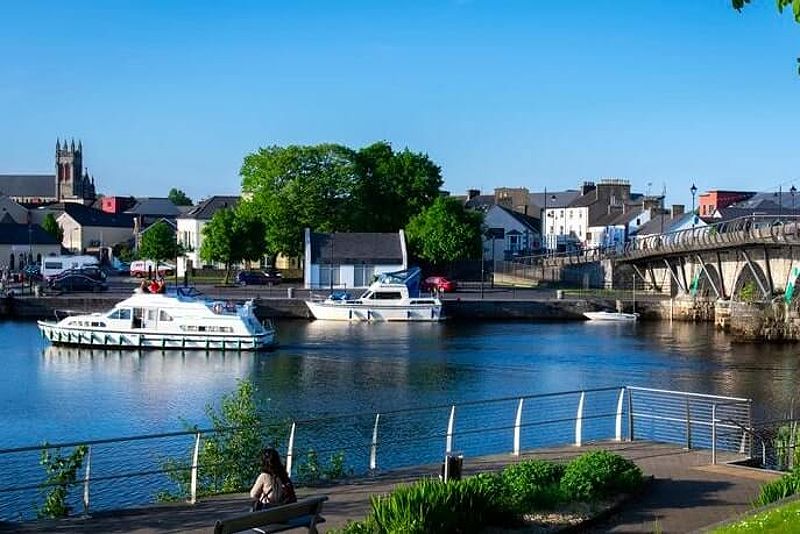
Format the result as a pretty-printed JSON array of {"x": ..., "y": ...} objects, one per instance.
[{"x": 370, "y": 441}]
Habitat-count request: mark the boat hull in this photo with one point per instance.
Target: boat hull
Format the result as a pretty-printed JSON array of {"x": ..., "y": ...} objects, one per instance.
[
  {"x": 129, "y": 339},
  {"x": 611, "y": 316},
  {"x": 332, "y": 311}
]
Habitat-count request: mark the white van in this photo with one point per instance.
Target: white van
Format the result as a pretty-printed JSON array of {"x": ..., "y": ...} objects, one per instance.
[
  {"x": 55, "y": 265},
  {"x": 142, "y": 268}
]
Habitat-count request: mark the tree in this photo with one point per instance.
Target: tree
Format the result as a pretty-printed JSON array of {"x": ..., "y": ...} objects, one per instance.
[
  {"x": 231, "y": 236},
  {"x": 51, "y": 227},
  {"x": 179, "y": 198},
  {"x": 296, "y": 187},
  {"x": 392, "y": 187},
  {"x": 445, "y": 232},
  {"x": 159, "y": 243}
]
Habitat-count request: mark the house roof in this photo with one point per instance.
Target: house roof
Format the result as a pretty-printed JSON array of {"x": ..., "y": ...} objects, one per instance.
[
  {"x": 157, "y": 207},
  {"x": 28, "y": 185},
  {"x": 480, "y": 202},
  {"x": 19, "y": 234},
  {"x": 562, "y": 198},
  {"x": 356, "y": 247},
  {"x": 617, "y": 219},
  {"x": 527, "y": 221},
  {"x": 657, "y": 225},
  {"x": 730, "y": 213},
  {"x": 205, "y": 209},
  {"x": 86, "y": 216}
]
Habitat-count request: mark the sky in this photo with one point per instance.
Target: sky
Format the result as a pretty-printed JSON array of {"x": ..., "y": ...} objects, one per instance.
[{"x": 527, "y": 93}]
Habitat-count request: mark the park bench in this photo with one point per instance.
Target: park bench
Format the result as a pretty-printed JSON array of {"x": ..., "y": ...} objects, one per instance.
[{"x": 305, "y": 513}]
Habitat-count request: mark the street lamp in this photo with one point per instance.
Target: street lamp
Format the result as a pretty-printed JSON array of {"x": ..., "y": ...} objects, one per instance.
[
  {"x": 793, "y": 190},
  {"x": 693, "y": 190}
]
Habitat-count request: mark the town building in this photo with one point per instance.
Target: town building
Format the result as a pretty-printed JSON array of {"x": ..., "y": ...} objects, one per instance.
[
  {"x": 88, "y": 230},
  {"x": 347, "y": 260},
  {"x": 70, "y": 183},
  {"x": 509, "y": 234},
  {"x": 716, "y": 199},
  {"x": 23, "y": 244},
  {"x": 12, "y": 212},
  {"x": 190, "y": 228}
]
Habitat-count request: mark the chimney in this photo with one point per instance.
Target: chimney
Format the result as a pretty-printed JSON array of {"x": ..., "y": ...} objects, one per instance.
[
  {"x": 678, "y": 210},
  {"x": 472, "y": 193},
  {"x": 586, "y": 187}
]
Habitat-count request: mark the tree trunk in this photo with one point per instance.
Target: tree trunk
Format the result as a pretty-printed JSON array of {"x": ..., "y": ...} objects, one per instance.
[{"x": 227, "y": 272}]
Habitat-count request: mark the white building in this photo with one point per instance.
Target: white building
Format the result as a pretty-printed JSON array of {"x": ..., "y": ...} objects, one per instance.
[
  {"x": 347, "y": 260},
  {"x": 515, "y": 234},
  {"x": 88, "y": 230},
  {"x": 190, "y": 228}
]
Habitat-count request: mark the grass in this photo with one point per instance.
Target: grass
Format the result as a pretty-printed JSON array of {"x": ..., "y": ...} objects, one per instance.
[{"x": 785, "y": 518}]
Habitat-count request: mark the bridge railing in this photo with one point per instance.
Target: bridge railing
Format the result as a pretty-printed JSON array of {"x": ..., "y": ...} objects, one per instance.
[{"x": 367, "y": 442}]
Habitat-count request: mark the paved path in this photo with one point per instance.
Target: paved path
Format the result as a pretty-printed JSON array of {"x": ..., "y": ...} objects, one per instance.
[{"x": 687, "y": 494}]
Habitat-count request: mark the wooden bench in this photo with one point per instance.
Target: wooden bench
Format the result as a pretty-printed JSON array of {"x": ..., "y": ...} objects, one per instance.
[{"x": 305, "y": 513}]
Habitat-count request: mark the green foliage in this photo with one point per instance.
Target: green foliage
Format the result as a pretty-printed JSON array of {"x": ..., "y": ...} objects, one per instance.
[
  {"x": 232, "y": 236},
  {"x": 786, "y": 438},
  {"x": 310, "y": 470},
  {"x": 51, "y": 227},
  {"x": 778, "y": 489},
  {"x": 159, "y": 243},
  {"x": 445, "y": 232},
  {"x": 229, "y": 458},
  {"x": 62, "y": 472},
  {"x": 599, "y": 474},
  {"x": 749, "y": 292},
  {"x": 124, "y": 252},
  {"x": 179, "y": 198},
  {"x": 330, "y": 187},
  {"x": 532, "y": 484},
  {"x": 780, "y": 520}
]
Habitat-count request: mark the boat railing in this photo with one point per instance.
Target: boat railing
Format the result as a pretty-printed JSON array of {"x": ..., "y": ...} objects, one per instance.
[
  {"x": 366, "y": 442},
  {"x": 63, "y": 314}
]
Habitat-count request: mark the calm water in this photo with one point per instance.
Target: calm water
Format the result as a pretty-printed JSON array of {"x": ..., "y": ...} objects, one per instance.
[{"x": 58, "y": 394}]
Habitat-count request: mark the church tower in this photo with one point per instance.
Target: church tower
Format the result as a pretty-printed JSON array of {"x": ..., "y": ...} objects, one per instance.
[{"x": 73, "y": 184}]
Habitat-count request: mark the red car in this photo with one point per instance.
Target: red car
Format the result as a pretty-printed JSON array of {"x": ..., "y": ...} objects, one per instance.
[{"x": 438, "y": 283}]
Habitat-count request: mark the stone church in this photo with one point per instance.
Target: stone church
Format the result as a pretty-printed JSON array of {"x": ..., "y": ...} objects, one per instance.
[{"x": 70, "y": 183}]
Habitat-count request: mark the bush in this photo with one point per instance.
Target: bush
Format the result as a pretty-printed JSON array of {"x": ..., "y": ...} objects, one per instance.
[
  {"x": 532, "y": 484},
  {"x": 599, "y": 474},
  {"x": 779, "y": 489}
]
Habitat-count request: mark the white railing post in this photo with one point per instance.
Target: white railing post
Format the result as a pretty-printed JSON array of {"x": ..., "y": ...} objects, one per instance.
[
  {"x": 618, "y": 421},
  {"x": 373, "y": 452},
  {"x": 195, "y": 458},
  {"x": 290, "y": 449},
  {"x": 517, "y": 425},
  {"x": 579, "y": 421},
  {"x": 450, "y": 425},
  {"x": 630, "y": 415},
  {"x": 86, "y": 481},
  {"x": 714, "y": 434},
  {"x": 688, "y": 424}
]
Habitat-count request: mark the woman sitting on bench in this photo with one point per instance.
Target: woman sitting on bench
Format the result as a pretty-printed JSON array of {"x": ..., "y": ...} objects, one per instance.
[{"x": 273, "y": 486}]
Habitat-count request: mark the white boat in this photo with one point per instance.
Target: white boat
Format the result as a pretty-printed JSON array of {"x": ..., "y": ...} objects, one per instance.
[
  {"x": 392, "y": 297},
  {"x": 611, "y": 316},
  {"x": 164, "y": 321}
]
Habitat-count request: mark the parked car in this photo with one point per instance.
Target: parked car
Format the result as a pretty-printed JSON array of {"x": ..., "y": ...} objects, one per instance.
[
  {"x": 258, "y": 278},
  {"x": 438, "y": 283},
  {"x": 142, "y": 268},
  {"x": 78, "y": 280}
]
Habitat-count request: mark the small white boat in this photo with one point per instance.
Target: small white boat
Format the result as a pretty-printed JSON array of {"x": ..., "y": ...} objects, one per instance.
[
  {"x": 611, "y": 316},
  {"x": 393, "y": 297},
  {"x": 164, "y": 321}
]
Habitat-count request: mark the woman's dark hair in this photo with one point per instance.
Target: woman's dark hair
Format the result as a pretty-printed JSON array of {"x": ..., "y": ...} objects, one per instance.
[{"x": 271, "y": 464}]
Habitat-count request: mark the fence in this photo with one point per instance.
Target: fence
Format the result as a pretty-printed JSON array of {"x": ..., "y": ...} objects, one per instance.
[{"x": 369, "y": 442}]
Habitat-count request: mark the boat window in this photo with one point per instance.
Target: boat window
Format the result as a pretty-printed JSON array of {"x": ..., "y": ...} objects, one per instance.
[
  {"x": 101, "y": 325},
  {"x": 387, "y": 295},
  {"x": 122, "y": 313},
  {"x": 201, "y": 328},
  {"x": 164, "y": 316},
  {"x": 52, "y": 265},
  {"x": 152, "y": 314}
]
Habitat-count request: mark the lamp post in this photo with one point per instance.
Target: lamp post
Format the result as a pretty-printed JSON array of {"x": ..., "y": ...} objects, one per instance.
[
  {"x": 693, "y": 190},
  {"x": 793, "y": 190}
]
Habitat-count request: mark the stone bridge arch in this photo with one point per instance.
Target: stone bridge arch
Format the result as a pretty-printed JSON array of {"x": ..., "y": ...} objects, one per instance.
[
  {"x": 751, "y": 283},
  {"x": 709, "y": 282}
]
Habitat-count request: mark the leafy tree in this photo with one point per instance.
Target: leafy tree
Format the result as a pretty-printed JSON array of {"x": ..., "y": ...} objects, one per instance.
[
  {"x": 231, "y": 236},
  {"x": 296, "y": 187},
  {"x": 159, "y": 243},
  {"x": 179, "y": 198},
  {"x": 392, "y": 187},
  {"x": 445, "y": 232},
  {"x": 51, "y": 227}
]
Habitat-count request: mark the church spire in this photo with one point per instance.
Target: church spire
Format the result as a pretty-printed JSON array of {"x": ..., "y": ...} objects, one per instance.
[
  {"x": 58, "y": 144},
  {"x": 80, "y": 145},
  {"x": 72, "y": 146}
]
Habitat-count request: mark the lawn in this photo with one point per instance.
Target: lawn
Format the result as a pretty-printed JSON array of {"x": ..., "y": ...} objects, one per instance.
[{"x": 782, "y": 519}]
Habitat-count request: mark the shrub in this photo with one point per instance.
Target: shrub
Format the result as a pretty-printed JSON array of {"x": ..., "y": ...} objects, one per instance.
[
  {"x": 532, "y": 484},
  {"x": 779, "y": 489},
  {"x": 599, "y": 474},
  {"x": 62, "y": 472}
]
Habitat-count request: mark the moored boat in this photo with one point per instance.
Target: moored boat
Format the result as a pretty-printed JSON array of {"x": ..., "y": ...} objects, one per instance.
[
  {"x": 164, "y": 321},
  {"x": 611, "y": 316},
  {"x": 392, "y": 297}
]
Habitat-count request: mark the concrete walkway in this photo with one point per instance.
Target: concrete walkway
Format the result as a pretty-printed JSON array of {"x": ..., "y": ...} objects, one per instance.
[{"x": 687, "y": 494}]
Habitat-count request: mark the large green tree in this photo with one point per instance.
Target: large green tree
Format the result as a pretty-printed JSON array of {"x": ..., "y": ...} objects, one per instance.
[
  {"x": 51, "y": 227},
  {"x": 159, "y": 243},
  {"x": 232, "y": 236},
  {"x": 392, "y": 187},
  {"x": 179, "y": 198},
  {"x": 445, "y": 232}
]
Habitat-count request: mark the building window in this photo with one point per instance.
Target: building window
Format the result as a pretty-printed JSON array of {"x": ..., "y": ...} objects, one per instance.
[
  {"x": 329, "y": 275},
  {"x": 362, "y": 275}
]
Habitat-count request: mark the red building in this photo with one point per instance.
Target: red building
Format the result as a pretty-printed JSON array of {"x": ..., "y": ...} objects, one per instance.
[
  {"x": 711, "y": 201},
  {"x": 116, "y": 204}
]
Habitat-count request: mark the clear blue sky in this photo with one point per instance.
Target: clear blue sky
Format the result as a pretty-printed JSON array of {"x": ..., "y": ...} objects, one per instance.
[{"x": 500, "y": 93}]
